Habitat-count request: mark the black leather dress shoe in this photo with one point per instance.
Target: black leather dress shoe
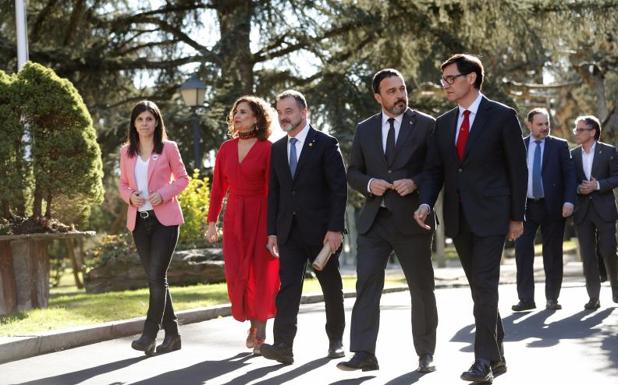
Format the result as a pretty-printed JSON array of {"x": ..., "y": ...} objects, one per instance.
[
  {"x": 170, "y": 344},
  {"x": 593, "y": 304},
  {"x": 144, "y": 344},
  {"x": 523, "y": 305},
  {"x": 278, "y": 352},
  {"x": 552, "y": 304},
  {"x": 480, "y": 371},
  {"x": 425, "y": 364},
  {"x": 364, "y": 361},
  {"x": 615, "y": 295},
  {"x": 498, "y": 367},
  {"x": 335, "y": 349}
]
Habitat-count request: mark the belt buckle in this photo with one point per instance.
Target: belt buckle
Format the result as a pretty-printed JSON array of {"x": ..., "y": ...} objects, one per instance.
[{"x": 144, "y": 214}]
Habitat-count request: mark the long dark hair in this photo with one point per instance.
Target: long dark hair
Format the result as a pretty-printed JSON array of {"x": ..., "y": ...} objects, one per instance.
[
  {"x": 262, "y": 112},
  {"x": 159, "y": 133}
]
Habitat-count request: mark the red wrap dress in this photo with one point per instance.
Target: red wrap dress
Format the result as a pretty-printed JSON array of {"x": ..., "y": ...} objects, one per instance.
[{"x": 251, "y": 272}]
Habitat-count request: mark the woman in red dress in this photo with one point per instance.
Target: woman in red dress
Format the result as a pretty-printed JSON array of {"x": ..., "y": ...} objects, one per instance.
[{"x": 241, "y": 172}]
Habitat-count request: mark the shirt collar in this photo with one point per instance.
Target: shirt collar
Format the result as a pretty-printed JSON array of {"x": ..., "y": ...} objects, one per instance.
[
  {"x": 474, "y": 107},
  {"x": 397, "y": 118},
  {"x": 302, "y": 135},
  {"x": 594, "y": 145}
]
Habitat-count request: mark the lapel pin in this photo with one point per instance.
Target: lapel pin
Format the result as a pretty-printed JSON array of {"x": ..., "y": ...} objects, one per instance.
[{"x": 155, "y": 157}]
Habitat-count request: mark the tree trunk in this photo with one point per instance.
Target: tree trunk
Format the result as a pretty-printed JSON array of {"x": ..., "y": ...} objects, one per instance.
[
  {"x": 37, "y": 207},
  {"x": 48, "y": 209},
  {"x": 235, "y": 50}
]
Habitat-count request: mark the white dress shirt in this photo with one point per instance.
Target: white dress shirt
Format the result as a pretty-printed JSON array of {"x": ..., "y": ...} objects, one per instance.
[
  {"x": 531, "y": 149},
  {"x": 587, "y": 159},
  {"x": 300, "y": 140},
  {"x": 473, "y": 108},
  {"x": 141, "y": 177}
]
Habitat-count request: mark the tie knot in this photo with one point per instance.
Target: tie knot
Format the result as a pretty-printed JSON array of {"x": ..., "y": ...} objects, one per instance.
[
  {"x": 466, "y": 112},
  {"x": 391, "y": 121},
  {"x": 293, "y": 140},
  {"x": 537, "y": 142}
]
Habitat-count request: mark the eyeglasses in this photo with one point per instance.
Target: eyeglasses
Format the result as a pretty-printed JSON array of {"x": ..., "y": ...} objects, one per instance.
[
  {"x": 578, "y": 130},
  {"x": 450, "y": 79}
]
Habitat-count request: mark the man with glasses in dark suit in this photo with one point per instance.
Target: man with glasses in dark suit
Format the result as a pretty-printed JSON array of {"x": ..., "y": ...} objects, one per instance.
[
  {"x": 596, "y": 166},
  {"x": 479, "y": 155}
]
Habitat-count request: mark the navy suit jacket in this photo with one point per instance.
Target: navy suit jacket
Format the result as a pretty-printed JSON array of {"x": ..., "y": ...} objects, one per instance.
[
  {"x": 489, "y": 184},
  {"x": 315, "y": 196},
  {"x": 558, "y": 174}
]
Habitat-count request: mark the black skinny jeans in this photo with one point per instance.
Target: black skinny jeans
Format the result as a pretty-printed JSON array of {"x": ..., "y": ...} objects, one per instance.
[{"x": 155, "y": 245}]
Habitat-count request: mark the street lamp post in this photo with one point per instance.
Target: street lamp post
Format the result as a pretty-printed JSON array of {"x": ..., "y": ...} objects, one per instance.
[{"x": 193, "y": 91}]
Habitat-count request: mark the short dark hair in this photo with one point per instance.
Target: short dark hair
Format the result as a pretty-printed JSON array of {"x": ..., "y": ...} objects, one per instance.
[
  {"x": 381, "y": 75},
  {"x": 159, "y": 132},
  {"x": 467, "y": 64},
  {"x": 591, "y": 122},
  {"x": 299, "y": 97},
  {"x": 262, "y": 113},
  {"x": 536, "y": 111}
]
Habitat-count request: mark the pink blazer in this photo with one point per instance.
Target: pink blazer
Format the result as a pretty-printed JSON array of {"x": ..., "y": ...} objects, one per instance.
[{"x": 166, "y": 175}]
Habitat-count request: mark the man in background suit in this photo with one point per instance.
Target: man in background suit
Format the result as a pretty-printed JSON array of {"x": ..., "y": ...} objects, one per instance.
[
  {"x": 306, "y": 209},
  {"x": 388, "y": 155},
  {"x": 596, "y": 166},
  {"x": 551, "y": 199},
  {"x": 479, "y": 155}
]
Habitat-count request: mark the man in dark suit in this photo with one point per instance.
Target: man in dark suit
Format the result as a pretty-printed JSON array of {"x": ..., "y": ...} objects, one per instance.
[
  {"x": 596, "y": 166},
  {"x": 388, "y": 155},
  {"x": 551, "y": 199},
  {"x": 306, "y": 209},
  {"x": 478, "y": 154}
]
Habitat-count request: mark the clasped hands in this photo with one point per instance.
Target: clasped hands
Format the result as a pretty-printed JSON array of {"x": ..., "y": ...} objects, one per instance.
[
  {"x": 587, "y": 186},
  {"x": 137, "y": 200},
  {"x": 378, "y": 187}
]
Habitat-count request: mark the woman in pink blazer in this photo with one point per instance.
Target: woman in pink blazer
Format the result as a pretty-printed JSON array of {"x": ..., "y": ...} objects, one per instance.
[{"x": 152, "y": 175}]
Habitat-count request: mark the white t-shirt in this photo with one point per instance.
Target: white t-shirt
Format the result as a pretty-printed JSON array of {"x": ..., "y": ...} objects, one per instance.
[{"x": 141, "y": 177}]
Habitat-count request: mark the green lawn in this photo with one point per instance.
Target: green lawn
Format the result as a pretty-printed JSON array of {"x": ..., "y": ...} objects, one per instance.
[{"x": 69, "y": 307}]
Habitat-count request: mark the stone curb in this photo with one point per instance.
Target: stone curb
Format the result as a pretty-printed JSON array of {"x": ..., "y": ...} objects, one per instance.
[{"x": 21, "y": 348}]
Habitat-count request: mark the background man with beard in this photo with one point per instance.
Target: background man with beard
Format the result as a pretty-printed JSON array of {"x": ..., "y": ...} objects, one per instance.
[
  {"x": 306, "y": 209},
  {"x": 551, "y": 198},
  {"x": 388, "y": 154}
]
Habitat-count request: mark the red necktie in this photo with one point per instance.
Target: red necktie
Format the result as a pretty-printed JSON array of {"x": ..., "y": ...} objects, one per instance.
[{"x": 463, "y": 135}]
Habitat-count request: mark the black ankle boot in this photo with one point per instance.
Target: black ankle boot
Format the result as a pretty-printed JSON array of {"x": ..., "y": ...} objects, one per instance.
[
  {"x": 144, "y": 344},
  {"x": 170, "y": 343}
]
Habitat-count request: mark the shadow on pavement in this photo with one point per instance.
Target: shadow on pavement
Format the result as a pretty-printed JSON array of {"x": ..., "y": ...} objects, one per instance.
[
  {"x": 406, "y": 379},
  {"x": 292, "y": 374},
  {"x": 353, "y": 381},
  {"x": 199, "y": 373},
  {"x": 85, "y": 374},
  {"x": 584, "y": 326},
  {"x": 254, "y": 374}
]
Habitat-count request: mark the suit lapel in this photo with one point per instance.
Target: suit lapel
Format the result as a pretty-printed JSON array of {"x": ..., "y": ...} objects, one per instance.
[
  {"x": 478, "y": 126},
  {"x": 308, "y": 145},
  {"x": 152, "y": 164},
  {"x": 549, "y": 145},
  {"x": 408, "y": 121},
  {"x": 596, "y": 161}
]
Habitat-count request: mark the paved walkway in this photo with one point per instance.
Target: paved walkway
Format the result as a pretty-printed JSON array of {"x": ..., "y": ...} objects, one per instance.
[{"x": 570, "y": 346}]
